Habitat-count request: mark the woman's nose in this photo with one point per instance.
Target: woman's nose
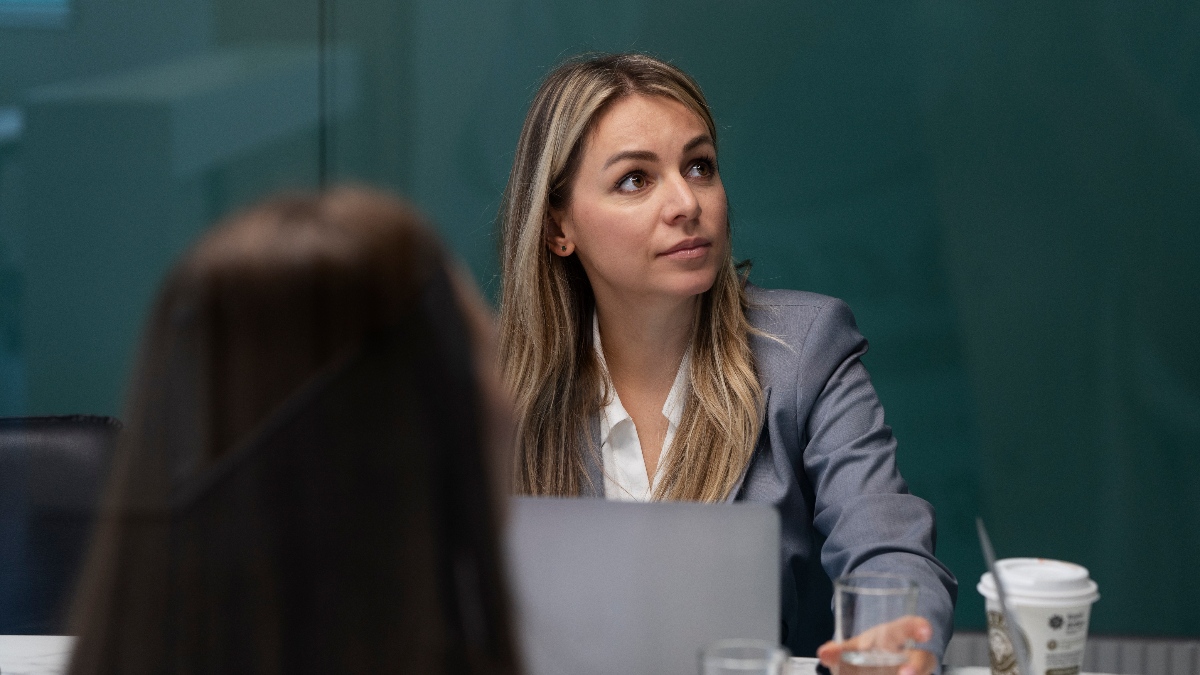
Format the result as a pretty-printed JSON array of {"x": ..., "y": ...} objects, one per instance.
[{"x": 682, "y": 205}]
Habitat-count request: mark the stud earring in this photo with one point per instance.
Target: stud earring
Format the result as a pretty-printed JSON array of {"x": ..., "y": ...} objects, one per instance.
[{"x": 564, "y": 248}]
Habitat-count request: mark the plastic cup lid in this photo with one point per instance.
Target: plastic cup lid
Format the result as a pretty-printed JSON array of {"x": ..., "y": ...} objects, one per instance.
[{"x": 1038, "y": 580}]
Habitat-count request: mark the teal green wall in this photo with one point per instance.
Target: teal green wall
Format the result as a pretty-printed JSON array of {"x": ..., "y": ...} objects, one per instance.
[{"x": 1007, "y": 193}]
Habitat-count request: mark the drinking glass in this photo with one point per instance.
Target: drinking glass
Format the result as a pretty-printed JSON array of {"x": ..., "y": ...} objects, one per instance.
[
  {"x": 865, "y": 609},
  {"x": 743, "y": 657}
]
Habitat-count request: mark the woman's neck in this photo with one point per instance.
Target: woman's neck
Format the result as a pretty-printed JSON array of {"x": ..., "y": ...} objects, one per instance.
[{"x": 645, "y": 342}]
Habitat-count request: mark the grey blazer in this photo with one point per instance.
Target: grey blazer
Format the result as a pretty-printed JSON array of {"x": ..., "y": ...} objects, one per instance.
[{"x": 827, "y": 461}]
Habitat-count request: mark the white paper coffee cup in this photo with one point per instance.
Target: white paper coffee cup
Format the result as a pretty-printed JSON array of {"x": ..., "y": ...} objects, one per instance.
[{"x": 1051, "y": 600}]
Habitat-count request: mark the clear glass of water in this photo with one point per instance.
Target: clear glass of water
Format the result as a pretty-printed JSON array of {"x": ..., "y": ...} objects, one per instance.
[
  {"x": 743, "y": 657},
  {"x": 867, "y": 609}
]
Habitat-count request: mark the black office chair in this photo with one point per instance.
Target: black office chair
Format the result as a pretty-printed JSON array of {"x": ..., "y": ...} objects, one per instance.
[{"x": 52, "y": 470}]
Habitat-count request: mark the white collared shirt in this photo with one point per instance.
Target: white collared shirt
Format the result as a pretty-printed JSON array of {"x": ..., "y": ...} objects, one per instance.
[{"x": 625, "y": 477}]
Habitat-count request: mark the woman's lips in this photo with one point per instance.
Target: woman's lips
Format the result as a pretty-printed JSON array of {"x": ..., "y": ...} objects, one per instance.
[{"x": 688, "y": 249}]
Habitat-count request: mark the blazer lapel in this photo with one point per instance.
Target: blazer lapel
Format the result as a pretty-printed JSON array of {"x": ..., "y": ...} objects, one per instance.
[{"x": 735, "y": 493}]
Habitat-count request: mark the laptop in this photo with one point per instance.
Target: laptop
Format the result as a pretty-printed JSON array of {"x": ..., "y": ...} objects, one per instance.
[{"x": 619, "y": 588}]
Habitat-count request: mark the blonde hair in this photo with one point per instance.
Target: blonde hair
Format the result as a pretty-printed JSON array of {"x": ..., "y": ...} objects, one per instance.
[{"x": 546, "y": 353}]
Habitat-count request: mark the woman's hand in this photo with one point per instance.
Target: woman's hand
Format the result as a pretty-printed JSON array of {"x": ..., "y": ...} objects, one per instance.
[{"x": 892, "y": 636}]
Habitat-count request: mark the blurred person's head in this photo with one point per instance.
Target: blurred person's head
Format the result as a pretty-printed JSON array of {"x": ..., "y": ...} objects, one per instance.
[{"x": 302, "y": 484}]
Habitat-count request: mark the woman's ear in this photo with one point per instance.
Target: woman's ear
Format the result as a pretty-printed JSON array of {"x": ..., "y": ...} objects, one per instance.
[{"x": 560, "y": 244}]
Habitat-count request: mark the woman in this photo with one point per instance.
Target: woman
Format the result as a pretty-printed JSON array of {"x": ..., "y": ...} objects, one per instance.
[
  {"x": 645, "y": 367},
  {"x": 302, "y": 482}
]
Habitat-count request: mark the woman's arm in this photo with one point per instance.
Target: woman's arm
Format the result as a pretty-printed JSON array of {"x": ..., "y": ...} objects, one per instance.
[{"x": 862, "y": 505}]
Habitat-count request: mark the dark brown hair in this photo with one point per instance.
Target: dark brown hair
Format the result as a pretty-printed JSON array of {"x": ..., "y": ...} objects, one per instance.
[{"x": 302, "y": 482}]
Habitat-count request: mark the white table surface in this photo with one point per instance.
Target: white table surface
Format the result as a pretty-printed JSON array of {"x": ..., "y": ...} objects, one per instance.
[
  {"x": 48, "y": 654},
  {"x": 34, "y": 654},
  {"x": 976, "y": 670},
  {"x": 799, "y": 665}
]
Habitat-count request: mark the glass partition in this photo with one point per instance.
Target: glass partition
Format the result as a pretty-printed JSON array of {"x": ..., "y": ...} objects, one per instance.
[{"x": 1005, "y": 193}]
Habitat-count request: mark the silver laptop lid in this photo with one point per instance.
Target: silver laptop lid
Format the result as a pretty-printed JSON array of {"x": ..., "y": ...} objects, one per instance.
[{"x": 623, "y": 588}]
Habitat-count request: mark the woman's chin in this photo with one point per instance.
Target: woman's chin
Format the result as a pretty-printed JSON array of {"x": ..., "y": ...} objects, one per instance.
[{"x": 690, "y": 285}]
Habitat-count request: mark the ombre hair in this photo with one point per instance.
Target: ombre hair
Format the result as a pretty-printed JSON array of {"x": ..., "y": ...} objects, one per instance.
[{"x": 546, "y": 352}]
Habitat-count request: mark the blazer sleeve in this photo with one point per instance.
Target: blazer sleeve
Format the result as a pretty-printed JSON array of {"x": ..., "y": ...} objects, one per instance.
[{"x": 862, "y": 505}]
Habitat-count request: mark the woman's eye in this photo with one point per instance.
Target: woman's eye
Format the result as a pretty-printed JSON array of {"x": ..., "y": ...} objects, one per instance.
[
  {"x": 632, "y": 183},
  {"x": 701, "y": 168}
]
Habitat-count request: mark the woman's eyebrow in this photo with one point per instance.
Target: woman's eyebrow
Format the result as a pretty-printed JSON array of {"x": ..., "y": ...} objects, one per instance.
[
  {"x": 647, "y": 156},
  {"x": 644, "y": 155},
  {"x": 697, "y": 141}
]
